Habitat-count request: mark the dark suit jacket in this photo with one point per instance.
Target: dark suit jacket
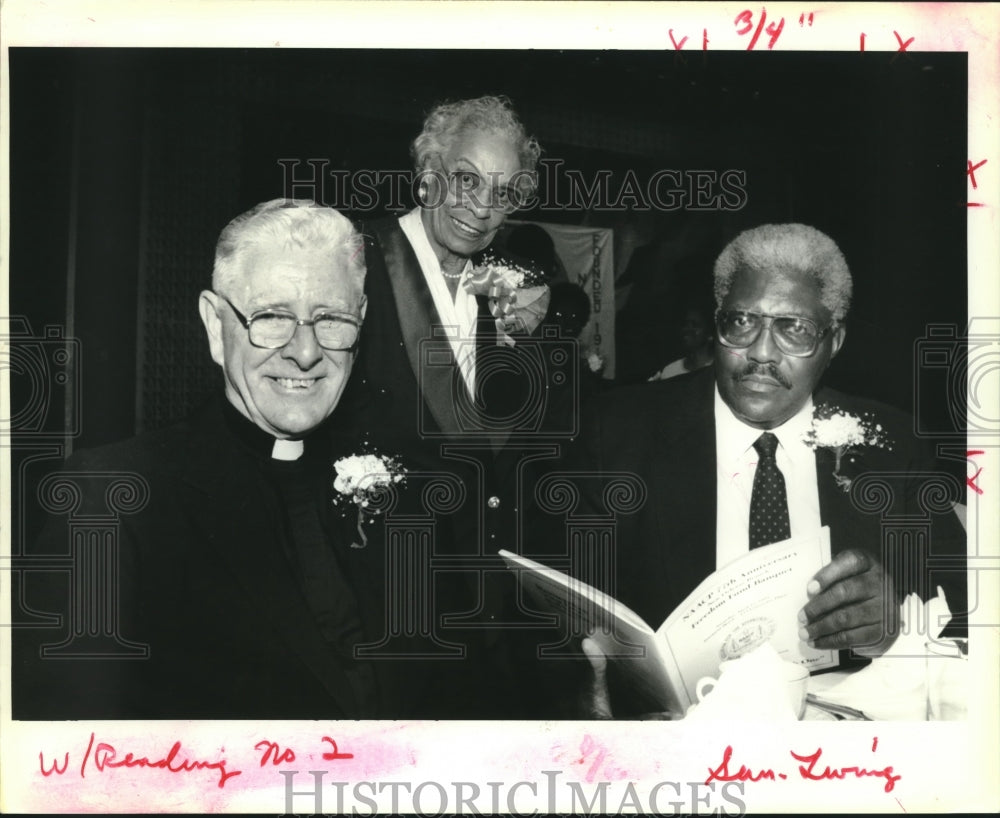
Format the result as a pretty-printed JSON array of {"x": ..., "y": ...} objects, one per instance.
[
  {"x": 664, "y": 433},
  {"x": 407, "y": 391},
  {"x": 405, "y": 374},
  {"x": 205, "y": 582}
]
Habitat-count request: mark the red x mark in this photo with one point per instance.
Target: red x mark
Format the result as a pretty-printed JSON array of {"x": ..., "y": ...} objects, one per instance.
[
  {"x": 971, "y": 481},
  {"x": 971, "y": 172},
  {"x": 677, "y": 45},
  {"x": 902, "y": 46}
]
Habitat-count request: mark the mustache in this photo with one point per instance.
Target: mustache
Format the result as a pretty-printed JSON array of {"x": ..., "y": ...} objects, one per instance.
[{"x": 767, "y": 370}]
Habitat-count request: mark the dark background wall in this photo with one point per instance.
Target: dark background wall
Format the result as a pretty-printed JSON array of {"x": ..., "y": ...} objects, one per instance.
[{"x": 125, "y": 164}]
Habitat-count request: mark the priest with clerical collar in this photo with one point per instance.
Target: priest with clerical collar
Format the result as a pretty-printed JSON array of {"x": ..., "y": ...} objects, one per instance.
[{"x": 229, "y": 585}]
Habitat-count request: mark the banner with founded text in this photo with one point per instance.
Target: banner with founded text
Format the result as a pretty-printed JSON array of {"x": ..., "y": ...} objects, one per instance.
[{"x": 587, "y": 256}]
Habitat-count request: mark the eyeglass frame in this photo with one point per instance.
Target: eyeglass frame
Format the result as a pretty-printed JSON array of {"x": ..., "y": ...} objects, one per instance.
[
  {"x": 299, "y": 322},
  {"x": 820, "y": 333},
  {"x": 474, "y": 194}
]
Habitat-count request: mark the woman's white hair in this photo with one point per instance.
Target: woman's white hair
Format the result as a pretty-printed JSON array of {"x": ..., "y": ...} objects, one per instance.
[
  {"x": 287, "y": 223},
  {"x": 795, "y": 248},
  {"x": 489, "y": 114}
]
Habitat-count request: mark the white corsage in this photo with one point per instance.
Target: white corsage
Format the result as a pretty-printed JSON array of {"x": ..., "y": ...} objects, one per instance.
[
  {"x": 844, "y": 434},
  {"x": 366, "y": 480},
  {"x": 595, "y": 362},
  {"x": 518, "y": 297}
]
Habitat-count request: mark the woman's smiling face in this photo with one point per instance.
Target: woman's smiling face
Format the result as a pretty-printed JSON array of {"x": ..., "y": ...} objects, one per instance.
[{"x": 461, "y": 224}]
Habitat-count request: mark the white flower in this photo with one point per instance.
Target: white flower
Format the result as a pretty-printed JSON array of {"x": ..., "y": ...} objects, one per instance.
[
  {"x": 595, "y": 362},
  {"x": 839, "y": 429},
  {"x": 359, "y": 476},
  {"x": 509, "y": 278},
  {"x": 518, "y": 297},
  {"x": 833, "y": 428},
  {"x": 363, "y": 478},
  {"x": 494, "y": 277}
]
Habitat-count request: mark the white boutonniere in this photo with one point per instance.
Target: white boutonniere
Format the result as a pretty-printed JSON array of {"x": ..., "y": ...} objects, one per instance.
[
  {"x": 595, "y": 362},
  {"x": 844, "y": 434},
  {"x": 518, "y": 297},
  {"x": 366, "y": 480}
]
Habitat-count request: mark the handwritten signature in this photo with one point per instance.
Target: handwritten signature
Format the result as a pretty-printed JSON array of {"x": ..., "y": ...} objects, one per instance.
[{"x": 809, "y": 770}]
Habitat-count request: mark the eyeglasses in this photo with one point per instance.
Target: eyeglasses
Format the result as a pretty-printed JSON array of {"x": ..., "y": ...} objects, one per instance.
[
  {"x": 273, "y": 329},
  {"x": 469, "y": 184},
  {"x": 792, "y": 334}
]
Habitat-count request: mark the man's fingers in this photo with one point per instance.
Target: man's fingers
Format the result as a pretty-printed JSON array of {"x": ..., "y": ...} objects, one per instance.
[
  {"x": 872, "y": 639},
  {"x": 868, "y": 635},
  {"x": 853, "y": 605},
  {"x": 845, "y": 564},
  {"x": 859, "y": 615},
  {"x": 869, "y": 628},
  {"x": 600, "y": 700},
  {"x": 845, "y": 593}
]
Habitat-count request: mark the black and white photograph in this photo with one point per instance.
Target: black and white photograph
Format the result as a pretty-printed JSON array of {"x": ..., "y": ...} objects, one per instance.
[{"x": 609, "y": 420}]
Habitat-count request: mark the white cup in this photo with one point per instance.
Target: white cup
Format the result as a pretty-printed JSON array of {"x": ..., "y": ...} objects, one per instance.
[
  {"x": 797, "y": 683},
  {"x": 731, "y": 674},
  {"x": 947, "y": 679}
]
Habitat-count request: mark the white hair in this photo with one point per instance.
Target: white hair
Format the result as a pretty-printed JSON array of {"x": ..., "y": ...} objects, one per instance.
[
  {"x": 288, "y": 223},
  {"x": 790, "y": 247},
  {"x": 489, "y": 114}
]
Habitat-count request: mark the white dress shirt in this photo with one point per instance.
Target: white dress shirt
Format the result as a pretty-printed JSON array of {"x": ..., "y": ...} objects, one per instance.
[
  {"x": 458, "y": 315},
  {"x": 736, "y": 461}
]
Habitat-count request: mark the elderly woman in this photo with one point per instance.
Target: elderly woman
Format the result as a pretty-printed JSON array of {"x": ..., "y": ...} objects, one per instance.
[
  {"x": 435, "y": 368},
  {"x": 475, "y": 165}
]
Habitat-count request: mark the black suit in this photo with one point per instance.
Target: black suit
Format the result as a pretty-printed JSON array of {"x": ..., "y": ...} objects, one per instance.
[
  {"x": 207, "y": 583},
  {"x": 407, "y": 390},
  {"x": 664, "y": 433}
]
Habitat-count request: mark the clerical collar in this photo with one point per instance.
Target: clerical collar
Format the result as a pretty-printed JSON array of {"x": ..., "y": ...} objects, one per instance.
[
  {"x": 261, "y": 443},
  {"x": 287, "y": 449}
]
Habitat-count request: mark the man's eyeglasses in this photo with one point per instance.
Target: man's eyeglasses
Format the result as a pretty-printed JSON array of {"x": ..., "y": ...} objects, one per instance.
[
  {"x": 273, "y": 329},
  {"x": 792, "y": 334},
  {"x": 466, "y": 183}
]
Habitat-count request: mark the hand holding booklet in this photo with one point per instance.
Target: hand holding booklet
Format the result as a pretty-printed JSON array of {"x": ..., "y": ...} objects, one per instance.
[{"x": 752, "y": 600}]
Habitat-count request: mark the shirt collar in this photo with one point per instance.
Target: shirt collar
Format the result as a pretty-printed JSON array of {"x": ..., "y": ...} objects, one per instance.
[
  {"x": 734, "y": 437},
  {"x": 261, "y": 443}
]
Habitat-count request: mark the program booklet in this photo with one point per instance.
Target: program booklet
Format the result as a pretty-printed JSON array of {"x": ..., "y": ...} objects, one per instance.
[{"x": 752, "y": 600}]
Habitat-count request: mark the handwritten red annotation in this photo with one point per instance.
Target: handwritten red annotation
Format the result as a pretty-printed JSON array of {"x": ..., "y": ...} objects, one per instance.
[
  {"x": 102, "y": 756},
  {"x": 746, "y": 22},
  {"x": 745, "y": 18},
  {"x": 809, "y": 770},
  {"x": 971, "y": 173},
  {"x": 971, "y": 481}
]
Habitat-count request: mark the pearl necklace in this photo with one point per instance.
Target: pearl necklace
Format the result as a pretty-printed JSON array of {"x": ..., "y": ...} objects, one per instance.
[{"x": 453, "y": 276}]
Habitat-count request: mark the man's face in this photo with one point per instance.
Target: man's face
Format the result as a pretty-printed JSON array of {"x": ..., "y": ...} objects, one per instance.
[
  {"x": 763, "y": 386},
  {"x": 288, "y": 391},
  {"x": 465, "y": 224}
]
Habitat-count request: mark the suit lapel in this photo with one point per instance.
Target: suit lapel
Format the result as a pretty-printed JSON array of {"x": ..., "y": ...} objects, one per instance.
[
  {"x": 400, "y": 680},
  {"x": 416, "y": 311},
  {"x": 503, "y": 394},
  {"x": 682, "y": 500},
  {"x": 849, "y": 527},
  {"x": 248, "y": 538},
  {"x": 690, "y": 441}
]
